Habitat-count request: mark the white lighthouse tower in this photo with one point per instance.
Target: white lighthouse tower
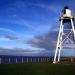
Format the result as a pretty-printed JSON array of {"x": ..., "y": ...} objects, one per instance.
[{"x": 66, "y": 36}]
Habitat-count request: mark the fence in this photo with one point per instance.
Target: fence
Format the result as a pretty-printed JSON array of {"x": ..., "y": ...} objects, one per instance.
[{"x": 13, "y": 59}]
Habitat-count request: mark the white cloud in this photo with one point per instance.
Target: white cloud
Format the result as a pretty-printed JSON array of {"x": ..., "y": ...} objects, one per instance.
[
  {"x": 7, "y": 30},
  {"x": 19, "y": 51},
  {"x": 51, "y": 7},
  {"x": 21, "y": 22},
  {"x": 4, "y": 39}
]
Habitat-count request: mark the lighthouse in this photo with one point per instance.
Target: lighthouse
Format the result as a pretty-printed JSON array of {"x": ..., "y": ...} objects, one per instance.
[{"x": 66, "y": 36}]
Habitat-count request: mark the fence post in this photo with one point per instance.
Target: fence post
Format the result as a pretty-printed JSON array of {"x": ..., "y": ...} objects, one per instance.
[
  {"x": 22, "y": 59},
  {"x": 38, "y": 59},
  {"x": 47, "y": 59},
  {"x": 35, "y": 59},
  {"x": 0, "y": 60},
  {"x": 41, "y": 59},
  {"x": 27, "y": 60},
  {"x": 31, "y": 59},
  {"x": 9, "y": 59},
  {"x": 16, "y": 60}
]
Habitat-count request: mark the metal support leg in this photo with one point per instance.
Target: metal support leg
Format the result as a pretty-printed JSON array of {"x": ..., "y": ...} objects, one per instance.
[
  {"x": 58, "y": 43},
  {"x": 73, "y": 29}
]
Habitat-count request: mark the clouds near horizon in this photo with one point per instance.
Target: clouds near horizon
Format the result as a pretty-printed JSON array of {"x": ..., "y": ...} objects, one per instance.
[{"x": 30, "y": 27}]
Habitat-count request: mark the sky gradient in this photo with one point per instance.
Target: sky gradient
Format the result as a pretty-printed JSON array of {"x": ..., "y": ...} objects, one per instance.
[{"x": 30, "y": 27}]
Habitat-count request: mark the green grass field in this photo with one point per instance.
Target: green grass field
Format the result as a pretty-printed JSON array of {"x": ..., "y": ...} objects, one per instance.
[{"x": 37, "y": 69}]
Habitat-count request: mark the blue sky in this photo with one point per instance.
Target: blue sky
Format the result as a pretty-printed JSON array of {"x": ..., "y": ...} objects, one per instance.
[{"x": 24, "y": 23}]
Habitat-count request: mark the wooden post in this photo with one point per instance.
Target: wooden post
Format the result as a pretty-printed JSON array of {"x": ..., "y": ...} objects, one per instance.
[
  {"x": 41, "y": 59},
  {"x": 22, "y": 59},
  {"x": 31, "y": 59},
  {"x": 16, "y": 60},
  {"x": 72, "y": 60},
  {"x": 0, "y": 60},
  {"x": 27, "y": 60},
  {"x": 35, "y": 59},
  {"x": 38, "y": 59},
  {"x": 9, "y": 59},
  {"x": 47, "y": 59}
]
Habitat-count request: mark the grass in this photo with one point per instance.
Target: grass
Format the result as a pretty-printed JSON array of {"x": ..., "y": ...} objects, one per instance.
[{"x": 37, "y": 69}]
